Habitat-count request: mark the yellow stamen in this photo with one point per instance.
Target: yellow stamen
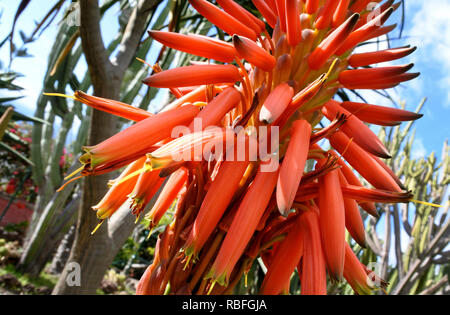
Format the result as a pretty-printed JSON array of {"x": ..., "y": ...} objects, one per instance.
[
  {"x": 211, "y": 287},
  {"x": 147, "y": 167},
  {"x": 67, "y": 183},
  {"x": 333, "y": 65},
  {"x": 61, "y": 95},
  {"x": 143, "y": 61},
  {"x": 74, "y": 173},
  {"x": 188, "y": 259},
  {"x": 97, "y": 227},
  {"x": 426, "y": 203},
  {"x": 137, "y": 218},
  {"x": 245, "y": 279},
  {"x": 149, "y": 234}
]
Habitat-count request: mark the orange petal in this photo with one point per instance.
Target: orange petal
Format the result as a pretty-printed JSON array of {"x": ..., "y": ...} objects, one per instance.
[
  {"x": 143, "y": 135},
  {"x": 353, "y": 219},
  {"x": 293, "y": 165},
  {"x": 352, "y": 179},
  {"x": 276, "y": 103},
  {"x": 266, "y": 12},
  {"x": 221, "y": 19},
  {"x": 373, "y": 113},
  {"x": 244, "y": 224},
  {"x": 355, "y": 274},
  {"x": 331, "y": 43},
  {"x": 242, "y": 15},
  {"x": 313, "y": 273},
  {"x": 332, "y": 223},
  {"x": 196, "y": 95},
  {"x": 340, "y": 14},
  {"x": 147, "y": 185},
  {"x": 113, "y": 107},
  {"x": 285, "y": 259},
  {"x": 293, "y": 26},
  {"x": 356, "y": 129},
  {"x": 194, "y": 75},
  {"x": 363, "y": 162},
  {"x": 118, "y": 192},
  {"x": 214, "y": 204},
  {"x": 250, "y": 51},
  {"x": 363, "y": 32},
  {"x": 167, "y": 196},
  {"x": 196, "y": 45},
  {"x": 312, "y": 6},
  {"x": 369, "y": 58},
  {"x": 383, "y": 83},
  {"x": 361, "y": 5},
  {"x": 326, "y": 15},
  {"x": 214, "y": 112},
  {"x": 360, "y": 76},
  {"x": 281, "y": 12}
]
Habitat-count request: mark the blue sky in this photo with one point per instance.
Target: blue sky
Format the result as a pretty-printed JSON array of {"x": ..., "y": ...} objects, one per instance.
[{"x": 427, "y": 27}]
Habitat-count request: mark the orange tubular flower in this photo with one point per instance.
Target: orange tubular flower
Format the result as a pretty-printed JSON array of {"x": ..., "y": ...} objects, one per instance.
[
  {"x": 266, "y": 12},
  {"x": 216, "y": 201},
  {"x": 293, "y": 165},
  {"x": 249, "y": 50},
  {"x": 294, "y": 30},
  {"x": 369, "y": 58},
  {"x": 118, "y": 192},
  {"x": 281, "y": 10},
  {"x": 222, "y": 19},
  {"x": 197, "y": 45},
  {"x": 196, "y": 95},
  {"x": 244, "y": 224},
  {"x": 363, "y": 163},
  {"x": 214, "y": 112},
  {"x": 379, "y": 115},
  {"x": 312, "y": 6},
  {"x": 355, "y": 273},
  {"x": 275, "y": 104},
  {"x": 360, "y": 5},
  {"x": 194, "y": 75},
  {"x": 341, "y": 13},
  {"x": 352, "y": 179},
  {"x": 313, "y": 275},
  {"x": 356, "y": 129},
  {"x": 144, "y": 134},
  {"x": 364, "y": 31},
  {"x": 284, "y": 261},
  {"x": 332, "y": 222},
  {"x": 146, "y": 186},
  {"x": 242, "y": 15},
  {"x": 193, "y": 147},
  {"x": 324, "y": 19},
  {"x": 113, "y": 107},
  {"x": 353, "y": 220},
  {"x": 167, "y": 196},
  {"x": 333, "y": 41}
]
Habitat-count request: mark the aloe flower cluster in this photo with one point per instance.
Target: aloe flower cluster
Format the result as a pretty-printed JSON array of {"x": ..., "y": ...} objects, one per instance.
[{"x": 281, "y": 70}]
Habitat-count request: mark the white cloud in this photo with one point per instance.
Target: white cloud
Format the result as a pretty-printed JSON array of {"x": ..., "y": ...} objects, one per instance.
[
  {"x": 418, "y": 149},
  {"x": 430, "y": 31}
]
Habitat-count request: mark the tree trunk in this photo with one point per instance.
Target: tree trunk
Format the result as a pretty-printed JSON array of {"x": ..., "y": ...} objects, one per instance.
[
  {"x": 95, "y": 253},
  {"x": 63, "y": 252}
]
